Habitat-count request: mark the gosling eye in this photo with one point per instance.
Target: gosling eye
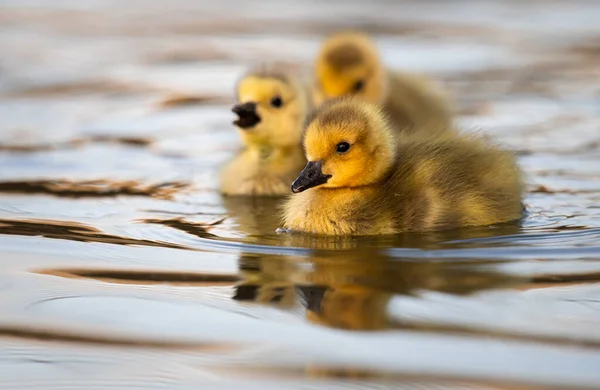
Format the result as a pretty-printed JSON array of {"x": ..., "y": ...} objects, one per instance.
[
  {"x": 342, "y": 147},
  {"x": 358, "y": 86},
  {"x": 276, "y": 102}
]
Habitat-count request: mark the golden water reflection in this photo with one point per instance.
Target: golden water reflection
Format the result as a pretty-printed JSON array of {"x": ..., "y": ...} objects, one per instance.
[{"x": 351, "y": 290}]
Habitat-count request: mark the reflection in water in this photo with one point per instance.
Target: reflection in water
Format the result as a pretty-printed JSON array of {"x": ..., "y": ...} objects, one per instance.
[
  {"x": 75, "y": 231},
  {"x": 264, "y": 280},
  {"x": 198, "y": 229},
  {"x": 92, "y": 188},
  {"x": 352, "y": 307},
  {"x": 255, "y": 217},
  {"x": 75, "y": 88},
  {"x": 363, "y": 379},
  {"x": 351, "y": 290},
  {"x": 123, "y": 140},
  {"x": 25, "y": 331},
  {"x": 567, "y": 279},
  {"x": 183, "y": 100},
  {"x": 78, "y": 142},
  {"x": 146, "y": 277},
  {"x": 41, "y": 147}
]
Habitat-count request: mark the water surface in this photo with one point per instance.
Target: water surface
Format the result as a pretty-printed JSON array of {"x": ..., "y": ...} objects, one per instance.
[{"x": 122, "y": 267}]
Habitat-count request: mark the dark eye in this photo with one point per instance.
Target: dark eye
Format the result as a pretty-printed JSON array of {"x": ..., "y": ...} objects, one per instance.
[
  {"x": 276, "y": 102},
  {"x": 358, "y": 86},
  {"x": 342, "y": 147}
]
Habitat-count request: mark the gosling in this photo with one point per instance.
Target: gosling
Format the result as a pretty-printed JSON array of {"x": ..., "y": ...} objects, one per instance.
[
  {"x": 349, "y": 64},
  {"x": 361, "y": 180},
  {"x": 272, "y": 107}
]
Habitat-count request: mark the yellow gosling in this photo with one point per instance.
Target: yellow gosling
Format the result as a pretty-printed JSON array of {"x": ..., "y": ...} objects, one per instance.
[
  {"x": 271, "y": 112},
  {"x": 361, "y": 180},
  {"x": 349, "y": 64}
]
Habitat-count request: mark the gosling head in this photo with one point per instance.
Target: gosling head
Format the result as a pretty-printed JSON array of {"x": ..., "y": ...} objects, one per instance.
[
  {"x": 271, "y": 108},
  {"x": 349, "y": 64},
  {"x": 348, "y": 144}
]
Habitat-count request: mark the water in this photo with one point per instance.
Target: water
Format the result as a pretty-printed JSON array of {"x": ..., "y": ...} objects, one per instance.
[{"x": 123, "y": 268}]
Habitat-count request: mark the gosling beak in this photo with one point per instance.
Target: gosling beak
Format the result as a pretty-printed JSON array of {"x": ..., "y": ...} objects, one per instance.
[
  {"x": 247, "y": 116},
  {"x": 311, "y": 176}
]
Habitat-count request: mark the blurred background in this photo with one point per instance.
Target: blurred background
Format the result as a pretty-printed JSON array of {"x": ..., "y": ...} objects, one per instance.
[{"x": 122, "y": 267}]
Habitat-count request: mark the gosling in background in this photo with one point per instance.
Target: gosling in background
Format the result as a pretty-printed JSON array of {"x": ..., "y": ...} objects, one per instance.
[
  {"x": 349, "y": 64},
  {"x": 272, "y": 107},
  {"x": 361, "y": 179}
]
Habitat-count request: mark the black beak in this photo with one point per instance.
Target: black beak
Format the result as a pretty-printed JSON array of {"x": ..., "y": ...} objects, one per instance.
[
  {"x": 247, "y": 115},
  {"x": 311, "y": 176}
]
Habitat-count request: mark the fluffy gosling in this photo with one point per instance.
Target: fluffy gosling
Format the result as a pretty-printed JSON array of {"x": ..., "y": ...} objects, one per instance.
[
  {"x": 361, "y": 180},
  {"x": 349, "y": 64},
  {"x": 272, "y": 107}
]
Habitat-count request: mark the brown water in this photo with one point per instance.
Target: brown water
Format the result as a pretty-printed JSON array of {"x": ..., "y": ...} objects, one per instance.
[{"x": 121, "y": 267}]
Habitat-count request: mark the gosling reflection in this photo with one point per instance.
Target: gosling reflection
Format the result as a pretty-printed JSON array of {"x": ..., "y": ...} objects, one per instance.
[
  {"x": 254, "y": 217},
  {"x": 347, "y": 307},
  {"x": 351, "y": 290},
  {"x": 348, "y": 291},
  {"x": 264, "y": 281}
]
